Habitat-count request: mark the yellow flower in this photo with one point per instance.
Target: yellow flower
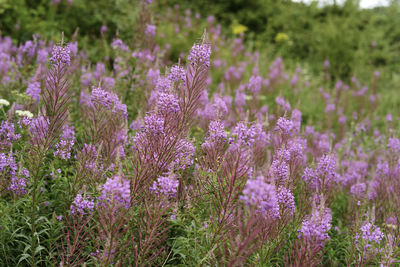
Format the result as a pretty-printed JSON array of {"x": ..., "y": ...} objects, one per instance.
[
  {"x": 281, "y": 37},
  {"x": 238, "y": 28}
]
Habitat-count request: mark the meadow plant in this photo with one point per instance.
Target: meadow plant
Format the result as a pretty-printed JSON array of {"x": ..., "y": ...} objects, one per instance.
[{"x": 218, "y": 155}]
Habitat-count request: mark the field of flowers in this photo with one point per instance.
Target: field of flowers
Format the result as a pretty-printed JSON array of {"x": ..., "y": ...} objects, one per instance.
[{"x": 217, "y": 155}]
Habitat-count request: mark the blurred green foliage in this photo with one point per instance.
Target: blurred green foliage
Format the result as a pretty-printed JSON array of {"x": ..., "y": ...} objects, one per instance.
[
  {"x": 20, "y": 19},
  {"x": 349, "y": 37}
]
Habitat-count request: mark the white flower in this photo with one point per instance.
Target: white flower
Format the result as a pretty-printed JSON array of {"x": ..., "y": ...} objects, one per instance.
[
  {"x": 24, "y": 113},
  {"x": 4, "y": 102}
]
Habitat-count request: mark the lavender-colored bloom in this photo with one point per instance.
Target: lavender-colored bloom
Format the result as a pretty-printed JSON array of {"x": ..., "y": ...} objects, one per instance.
[
  {"x": 243, "y": 135},
  {"x": 73, "y": 47},
  {"x": 42, "y": 56},
  {"x": 119, "y": 44},
  {"x": 327, "y": 166},
  {"x": 34, "y": 91},
  {"x": 324, "y": 175},
  {"x": 89, "y": 152},
  {"x": 389, "y": 117},
  {"x": 116, "y": 189},
  {"x": 153, "y": 75},
  {"x": 216, "y": 135},
  {"x": 60, "y": 56},
  {"x": 294, "y": 80},
  {"x": 136, "y": 125},
  {"x": 163, "y": 84},
  {"x": 19, "y": 182},
  {"x": 316, "y": 227},
  {"x": 369, "y": 233},
  {"x": 177, "y": 74},
  {"x": 153, "y": 124},
  {"x": 68, "y": 132},
  {"x": 261, "y": 195},
  {"x": 82, "y": 205},
  {"x": 103, "y": 29},
  {"x": 330, "y": 107},
  {"x": 216, "y": 131},
  {"x": 255, "y": 84},
  {"x": 102, "y": 97},
  {"x": 166, "y": 185},
  {"x": 184, "y": 154},
  {"x": 240, "y": 98},
  {"x": 284, "y": 125},
  {"x": 8, "y": 162},
  {"x": 284, "y": 104},
  {"x": 108, "y": 100},
  {"x": 219, "y": 106},
  {"x": 7, "y": 134},
  {"x": 38, "y": 129},
  {"x": 168, "y": 103},
  {"x": 64, "y": 146},
  {"x": 150, "y": 30},
  {"x": 63, "y": 149},
  {"x": 99, "y": 71},
  {"x": 394, "y": 145},
  {"x": 286, "y": 200},
  {"x": 358, "y": 190},
  {"x": 296, "y": 119},
  {"x": 200, "y": 54},
  {"x": 342, "y": 119},
  {"x": 279, "y": 170}
]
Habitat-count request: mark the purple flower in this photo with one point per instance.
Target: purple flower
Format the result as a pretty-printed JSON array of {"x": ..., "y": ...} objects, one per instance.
[
  {"x": 150, "y": 30},
  {"x": 103, "y": 29},
  {"x": 285, "y": 126},
  {"x": 329, "y": 108},
  {"x": 7, "y": 134},
  {"x": 216, "y": 131},
  {"x": 177, "y": 74},
  {"x": 255, "y": 84},
  {"x": 200, "y": 54},
  {"x": 286, "y": 200},
  {"x": 119, "y": 44},
  {"x": 261, "y": 195},
  {"x": 108, "y": 100},
  {"x": 394, "y": 145},
  {"x": 168, "y": 103},
  {"x": 166, "y": 185},
  {"x": 60, "y": 56},
  {"x": 82, "y": 205},
  {"x": 243, "y": 135},
  {"x": 117, "y": 189},
  {"x": 184, "y": 154},
  {"x": 324, "y": 175},
  {"x": 153, "y": 124},
  {"x": 19, "y": 183},
  {"x": 358, "y": 190},
  {"x": 369, "y": 233},
  {"x": 63, "y": 149},
  {"x": 67, "y": 140},
  {"x": 42, "y": 56},
  {"x": 34, "y": 91},
  {"x": 38, "y": 129},
  {"x": 315, "y": 228}
]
